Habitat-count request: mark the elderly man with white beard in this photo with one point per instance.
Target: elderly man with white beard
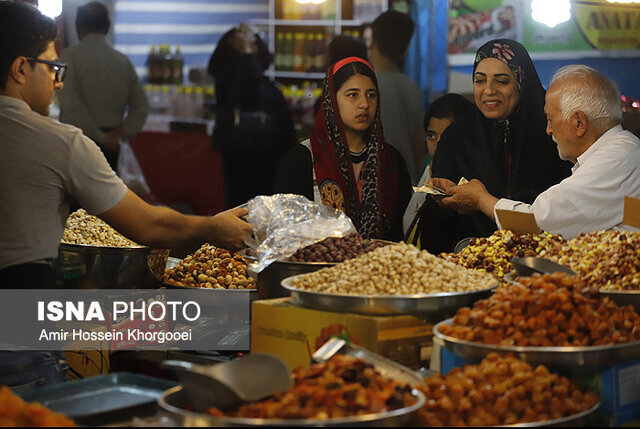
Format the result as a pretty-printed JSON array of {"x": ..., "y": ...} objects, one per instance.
[{"x": 584, "y": 113}]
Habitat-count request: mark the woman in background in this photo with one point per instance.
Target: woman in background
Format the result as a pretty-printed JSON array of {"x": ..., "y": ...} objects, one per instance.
[
  {"x": 237, "y": 67},
  {"x": 502, "y": 142},
  {"x": 345, "y": 163}
]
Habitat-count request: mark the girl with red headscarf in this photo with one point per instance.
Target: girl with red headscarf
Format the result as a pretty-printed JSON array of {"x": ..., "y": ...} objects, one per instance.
[{"x": 346, "y": 163}]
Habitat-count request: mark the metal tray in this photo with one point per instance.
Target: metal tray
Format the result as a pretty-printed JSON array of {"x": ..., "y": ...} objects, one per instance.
[
  {"x": 102, "y": 399},
  {"x": 435, "y": 304},
  {"x": 568, "y": 358},
  {"x": 623, "y": 297},
  {"x": 576, "y": 420},
  {"x": 175, "y": 401}
]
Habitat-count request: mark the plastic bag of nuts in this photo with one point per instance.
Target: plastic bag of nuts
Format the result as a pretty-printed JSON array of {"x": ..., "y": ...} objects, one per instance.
[
  {"x": 212, "y": 268},
  {"x": 500, "y": 391},
  {"x": 336, "y": 249},
  {"x": 549, "y": 310}
]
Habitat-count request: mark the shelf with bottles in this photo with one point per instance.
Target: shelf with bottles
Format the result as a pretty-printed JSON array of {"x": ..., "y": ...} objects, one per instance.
[
  {"x": 328, "y": 10},
  {"x": 181, "y": 101},
  {"x": 165, "y": 67},
  {"x": 306, "y": 22}
]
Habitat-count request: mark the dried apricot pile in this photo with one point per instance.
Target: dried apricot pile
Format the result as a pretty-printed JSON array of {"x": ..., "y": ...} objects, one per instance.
[
  {"x": 500, "y": 391},
  {"x": 549, "y": 310}
]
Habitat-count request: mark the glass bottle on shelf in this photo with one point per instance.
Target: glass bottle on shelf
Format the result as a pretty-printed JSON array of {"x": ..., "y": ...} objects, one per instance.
[
  {"x": 296, "y": 10},
  {"x": 286, "y": 7},
  {"x": 298, "y": 53},
  {"x": 287, "y": 52},
  {"x": 329, "y": 9},
  {"x": 279, "y": 50},
  {"x": 309, "y": 52},
  {"x": 165, "y": 64},
  {"x": 152, "y": 65},
  {"x": 319, "y": 61},
  {"x": 177, "y": 63}
]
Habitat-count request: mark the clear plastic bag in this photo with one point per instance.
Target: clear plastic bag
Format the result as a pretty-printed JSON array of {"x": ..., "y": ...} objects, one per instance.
[
  {"x": 129, "y": 170},
  {"x": 284, "y": 223}
]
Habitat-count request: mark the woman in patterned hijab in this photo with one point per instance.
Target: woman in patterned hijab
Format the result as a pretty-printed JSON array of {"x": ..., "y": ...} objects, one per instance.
[
  {"x": 346, "y": 164},
  {"x": 502, "y": 142}
]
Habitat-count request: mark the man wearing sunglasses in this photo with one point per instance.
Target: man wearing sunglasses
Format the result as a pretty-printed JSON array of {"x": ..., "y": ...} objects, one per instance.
[
  {"x": 102, "y": 94},
  {"x": 48, "y": 166}
]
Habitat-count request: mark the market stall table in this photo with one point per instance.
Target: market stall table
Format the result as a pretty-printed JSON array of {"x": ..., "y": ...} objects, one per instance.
[{"x": 181, "y": 168}]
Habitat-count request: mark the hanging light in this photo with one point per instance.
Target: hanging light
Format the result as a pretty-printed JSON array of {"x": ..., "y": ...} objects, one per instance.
[
  {"x": 50, "y": 8},
  {"x": 551, "y": 12},
  {"x": 310, "y": 1}
]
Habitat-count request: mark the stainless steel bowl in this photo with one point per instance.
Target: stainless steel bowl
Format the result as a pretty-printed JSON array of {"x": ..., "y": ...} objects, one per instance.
[
  {"x": 175, "y": 401},
  {"x": 569, "y": 358},
  {"x": 94, "y": 267},
  {"x": 623, "y": 297},
  {"x": 269, "y": 280},
  {"x": 433, "y": 305},
  {"x": 576, "y": 420}
]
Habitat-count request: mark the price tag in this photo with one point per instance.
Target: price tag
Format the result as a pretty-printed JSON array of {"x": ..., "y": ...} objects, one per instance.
[
  {"x": 518, "y": 222},
  {"x": 631, "y": 215}
]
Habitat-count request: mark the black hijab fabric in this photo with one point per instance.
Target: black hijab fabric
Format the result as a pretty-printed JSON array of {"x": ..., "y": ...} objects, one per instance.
[{"x": 514, "y": 159}]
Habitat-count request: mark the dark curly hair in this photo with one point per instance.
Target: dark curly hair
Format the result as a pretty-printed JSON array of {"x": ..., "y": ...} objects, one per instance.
[{"x": 23, "y": 31}]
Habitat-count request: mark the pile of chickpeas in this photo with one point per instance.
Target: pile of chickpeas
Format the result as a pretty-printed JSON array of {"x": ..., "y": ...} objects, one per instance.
[
  {"x": 549, "y": 310},
  {"x": 500, "y": 391},
  {"x": 336, "y": 249},
  {"x": 212, "y": 268},
  {"x": 396, "y": 269},
  {"x": 83, "y": 228}
]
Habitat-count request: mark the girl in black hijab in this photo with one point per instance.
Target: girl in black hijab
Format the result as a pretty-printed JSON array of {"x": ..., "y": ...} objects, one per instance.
[{"x": 502, "y": 142}]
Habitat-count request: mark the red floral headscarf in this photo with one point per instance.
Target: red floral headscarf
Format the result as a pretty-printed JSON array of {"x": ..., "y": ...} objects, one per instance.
[{"x": 333, "y": 168}]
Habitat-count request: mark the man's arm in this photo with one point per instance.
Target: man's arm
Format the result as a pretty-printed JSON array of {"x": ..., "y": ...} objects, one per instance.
[{"x": 162, "y": 227}]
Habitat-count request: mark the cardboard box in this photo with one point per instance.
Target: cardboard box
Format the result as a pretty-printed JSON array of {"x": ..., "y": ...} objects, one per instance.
[
  {"x": 293, "y": 333},
  {"x": 88, "y": 358},
  {"x": 618, "y": 386}
]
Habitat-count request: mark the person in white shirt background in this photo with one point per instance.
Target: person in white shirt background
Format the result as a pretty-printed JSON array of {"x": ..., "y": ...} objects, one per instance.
[{"x": 584, "y": 114}]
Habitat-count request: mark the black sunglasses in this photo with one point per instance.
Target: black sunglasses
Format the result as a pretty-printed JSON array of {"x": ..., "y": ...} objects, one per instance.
[{"x": 59, "y": 68}]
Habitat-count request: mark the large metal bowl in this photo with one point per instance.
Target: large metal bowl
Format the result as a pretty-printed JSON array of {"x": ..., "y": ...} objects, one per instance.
[
  {"x": 81, "y": 266},
  {"x": 623, "y": 297},
  {"x": 432, "y": 305},
  {"x": 269, "y": 280},
  {"x": 176, "y": 402},
  {"x": 576, "y": 420},
  {"x": 566, "y": 358}
]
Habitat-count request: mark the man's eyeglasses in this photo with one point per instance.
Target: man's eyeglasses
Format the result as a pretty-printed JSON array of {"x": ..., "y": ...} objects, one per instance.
[{"x": 59, "y": 68}]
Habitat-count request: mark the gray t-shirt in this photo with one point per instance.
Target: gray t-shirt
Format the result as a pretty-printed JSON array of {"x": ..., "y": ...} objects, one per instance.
[
  {"x": 401, "y": 113},
  {"x": 44, "y": 165}
]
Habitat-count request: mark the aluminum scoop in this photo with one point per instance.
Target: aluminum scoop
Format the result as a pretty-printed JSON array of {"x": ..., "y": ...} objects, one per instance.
[
  {"x": 230, "y": 384},
  {"x": 386, "y": 366},
  {"x": 530, "y": 265}
]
